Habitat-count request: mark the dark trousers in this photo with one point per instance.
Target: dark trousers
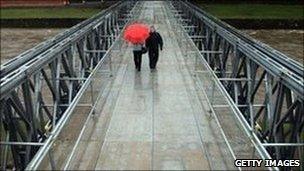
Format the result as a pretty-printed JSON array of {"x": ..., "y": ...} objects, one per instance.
[
  {"x": 137, "y": 59},
  {"x": 153, "y": 58}
]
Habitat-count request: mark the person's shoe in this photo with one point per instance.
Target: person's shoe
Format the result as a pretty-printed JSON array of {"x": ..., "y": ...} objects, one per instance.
[{"x": 138, "y": 69}]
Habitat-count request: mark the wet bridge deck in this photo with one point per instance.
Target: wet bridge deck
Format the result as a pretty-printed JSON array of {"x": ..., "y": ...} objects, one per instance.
[{"x": 153, "y": 120}]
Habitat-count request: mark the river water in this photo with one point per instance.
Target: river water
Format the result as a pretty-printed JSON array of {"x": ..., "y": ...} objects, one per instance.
[
  {"x": 15, "y": 41},
  {"x": 290, "y": 42}
]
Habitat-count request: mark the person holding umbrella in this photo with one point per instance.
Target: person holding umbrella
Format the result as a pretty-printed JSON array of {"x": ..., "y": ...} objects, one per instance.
[
  {"x": 153, "y": 43},
  {"x": 137, "y": 34}
]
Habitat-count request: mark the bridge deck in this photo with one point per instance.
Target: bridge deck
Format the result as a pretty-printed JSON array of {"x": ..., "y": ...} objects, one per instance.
[{"x": 154, "y": 120}]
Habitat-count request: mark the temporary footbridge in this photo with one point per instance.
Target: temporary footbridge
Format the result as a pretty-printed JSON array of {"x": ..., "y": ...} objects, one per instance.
[{"x": 76, "y": 101}]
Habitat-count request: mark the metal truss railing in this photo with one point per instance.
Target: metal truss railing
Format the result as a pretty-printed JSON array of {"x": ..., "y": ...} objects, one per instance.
[
  {"x": 264, "y": 88},
  {"x": 28, "y": 55},
  {"x": 42, "y": 89}
]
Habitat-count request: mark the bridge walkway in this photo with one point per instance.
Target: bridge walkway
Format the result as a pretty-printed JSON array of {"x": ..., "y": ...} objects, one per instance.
[{"x": 153, "y": 120}]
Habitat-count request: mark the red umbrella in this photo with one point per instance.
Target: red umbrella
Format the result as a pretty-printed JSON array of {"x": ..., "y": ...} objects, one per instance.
[{"x": 136, "y": 33}]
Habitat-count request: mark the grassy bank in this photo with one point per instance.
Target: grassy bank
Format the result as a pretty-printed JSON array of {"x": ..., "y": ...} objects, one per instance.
[
  {"x": 255, "y": 11},
  {"x": 48, "y": 13},
  {"x": 223, "y": 11}
]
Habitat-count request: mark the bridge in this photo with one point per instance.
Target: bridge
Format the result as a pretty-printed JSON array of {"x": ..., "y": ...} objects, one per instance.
[{"x": 76, "y": 101}]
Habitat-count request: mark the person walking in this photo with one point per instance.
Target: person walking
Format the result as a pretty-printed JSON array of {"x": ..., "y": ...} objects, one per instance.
[
  {"x": 137, "y": 52},
  {"x": 153, "y": 43}
]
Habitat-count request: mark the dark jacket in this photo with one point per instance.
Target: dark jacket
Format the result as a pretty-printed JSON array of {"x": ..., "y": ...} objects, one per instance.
[{"x": 154, "y": 41}]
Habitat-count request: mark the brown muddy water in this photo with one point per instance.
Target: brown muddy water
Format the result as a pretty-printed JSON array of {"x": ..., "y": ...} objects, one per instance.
[
  {"x": 15, "y": 41},
  {"x": 290, "y": 42}
]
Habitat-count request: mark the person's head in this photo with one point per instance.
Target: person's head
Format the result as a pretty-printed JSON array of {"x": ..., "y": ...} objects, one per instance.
[{"x": 152, "y": 29}]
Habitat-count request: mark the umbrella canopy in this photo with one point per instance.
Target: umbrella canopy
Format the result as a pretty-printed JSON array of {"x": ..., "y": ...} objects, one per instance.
[{"x": 136, "y": 33}]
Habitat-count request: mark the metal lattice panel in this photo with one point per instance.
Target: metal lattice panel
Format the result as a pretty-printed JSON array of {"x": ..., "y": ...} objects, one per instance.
[
  {"x": 41, "y": 87},
  {"x": 265, "y": 85}
]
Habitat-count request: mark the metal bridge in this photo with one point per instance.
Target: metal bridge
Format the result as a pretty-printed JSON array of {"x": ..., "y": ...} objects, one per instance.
[{"x": 76, "y": 101}]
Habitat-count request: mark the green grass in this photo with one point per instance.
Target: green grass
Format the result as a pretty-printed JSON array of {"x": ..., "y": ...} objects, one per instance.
[
  {"x": 48, "y": 13},
  {"x": 224, "y": 11},
  {"x": 255, "y": 11}
]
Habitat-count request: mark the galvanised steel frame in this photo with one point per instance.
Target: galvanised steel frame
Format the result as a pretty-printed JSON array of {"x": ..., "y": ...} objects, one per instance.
[
  {"x": 41, "y": 87},
  {"x": 265, "y": 86}
]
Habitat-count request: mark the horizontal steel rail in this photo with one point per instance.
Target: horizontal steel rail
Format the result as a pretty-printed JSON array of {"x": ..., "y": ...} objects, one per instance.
[
  {"x": 264, "y": 87},
  {"x": 18, "y": 68},
  {"x": 41, "y": 88},
  {"x": 40, "y": 93},
  {"x": 28, "y": 55},
  {"x": 216, "y": 82},
  {"x": 291, "y": 72},
  {"x": 276, "y": 55}
]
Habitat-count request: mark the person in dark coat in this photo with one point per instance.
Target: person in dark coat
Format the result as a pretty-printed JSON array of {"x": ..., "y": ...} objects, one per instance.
[{"x": 153, "y": 43}]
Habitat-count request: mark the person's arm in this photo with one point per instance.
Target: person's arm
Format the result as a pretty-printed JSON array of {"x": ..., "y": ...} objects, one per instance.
[{"x": 160, "y": 41}]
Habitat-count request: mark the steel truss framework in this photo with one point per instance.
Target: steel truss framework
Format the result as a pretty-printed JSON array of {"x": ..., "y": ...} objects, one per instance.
[
  {"x": 40, "y": 88},
  {"x": 265, "y": 85}
]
